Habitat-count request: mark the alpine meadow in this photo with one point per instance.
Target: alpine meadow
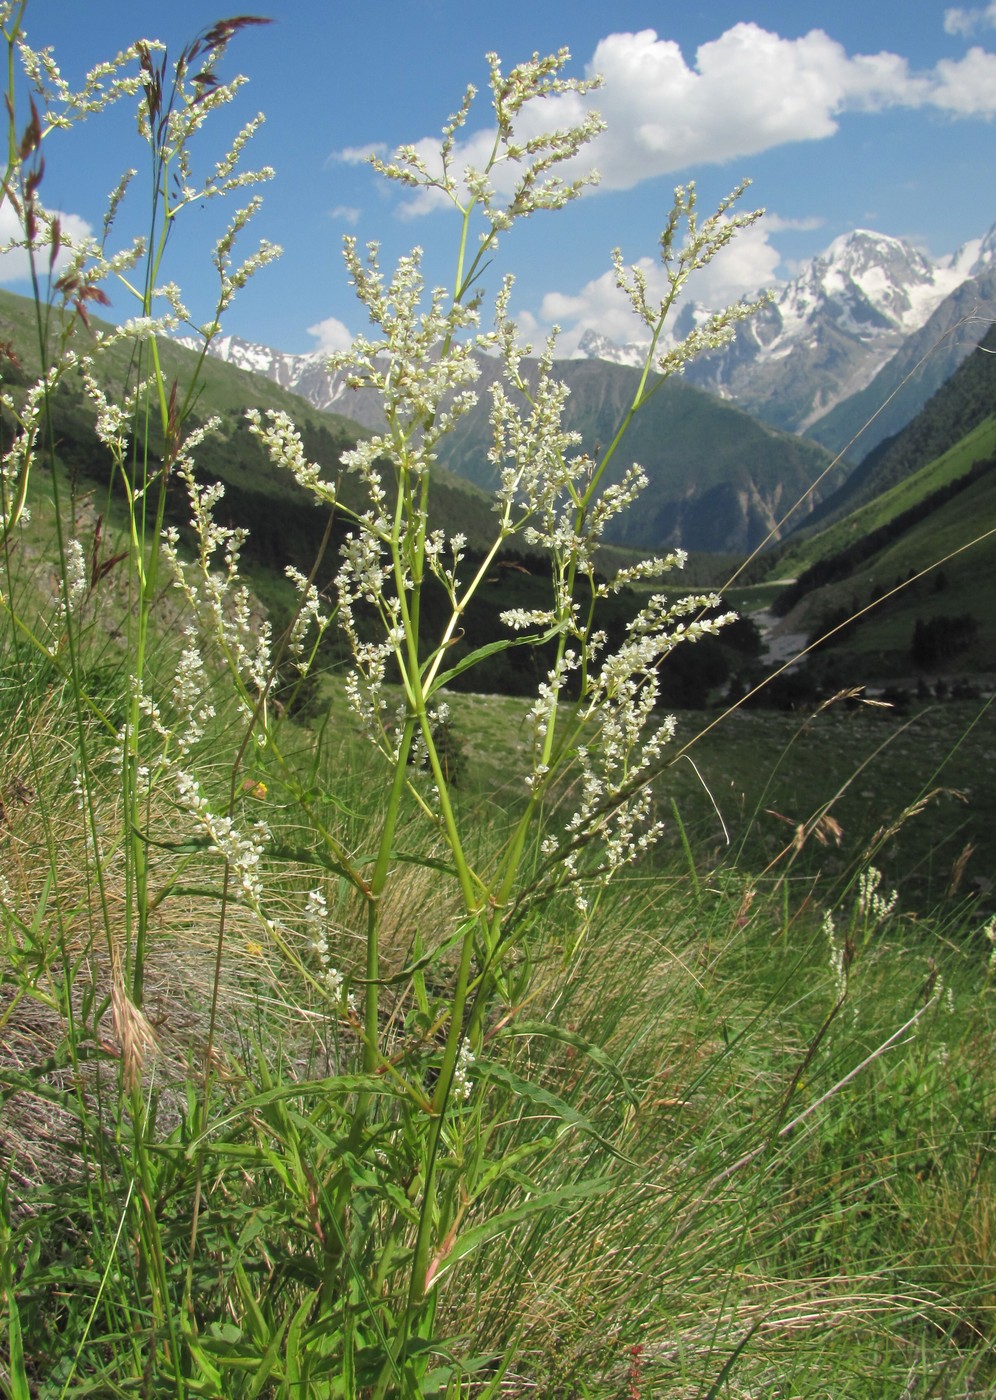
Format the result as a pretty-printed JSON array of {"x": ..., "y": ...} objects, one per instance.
[{"x": 429, "y": 965}]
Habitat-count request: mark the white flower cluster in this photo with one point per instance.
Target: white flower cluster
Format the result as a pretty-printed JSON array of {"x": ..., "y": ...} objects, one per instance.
[
  {"x": 534, "y": 158},
  {"x": 540, "y": 477},
  {"x": 316, "y": 922},
  {"x": 462, "y": 1083},
  {"x": 838, "y": 956},
  {"x": 647, "y": 568},
  {"x": 114, "y": 421},
  {"x": 445, "y": 564},
  {"x": 701, "y": 245},
  {"x": 190, "y": 684},
  {"x": 874, "y": 907},
  {"x": 172, "y": 105},
  {"x": 242, "y": 850},
  {"x": 437, "y": 716},
  {"x": 626, "y": 740},
  {"x": 233, "y": 279},
  {"x": 308, "y": 614},
  {"x": 989, "y": 933},
  {"x": 16, "y": 463},
  {"x": 283, "y": 443},
  {"x": 362, "y": 580},
  {"x": 220, "y": 600},
  {"x": 8, "y": 899},
  {"x": 62, "y": 106},
  {"x": 419, "y": 361},
  {"x": 75, "y": 577}
]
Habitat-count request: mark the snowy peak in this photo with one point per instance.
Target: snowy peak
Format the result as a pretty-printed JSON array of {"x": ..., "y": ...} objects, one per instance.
[
  {"x": 985, "y": 257},
  {"x": 828, "y": 332},
  {"x": 824, "y": 336},
  {"x": 868, "y": 285},
  {"x": 306, "y": 374},
  {"x": 600, "y": 347}
]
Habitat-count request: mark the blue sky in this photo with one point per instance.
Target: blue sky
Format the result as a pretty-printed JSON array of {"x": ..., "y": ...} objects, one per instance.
[{"x": 862, "y": 113}]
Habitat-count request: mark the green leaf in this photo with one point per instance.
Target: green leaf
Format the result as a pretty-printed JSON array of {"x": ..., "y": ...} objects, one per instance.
[
  {"x": 508, "y": 1165},
  {"x": 208, "y": 1371},
  {"x": 544, "y": 1099},
  {"x": 482, "y": 653},
  {"x": 268, "y": 1362},
  {"x": 337, "y": 1085},
  {"x": 506, "y": 1220},
  {"x": 576, "y": 1042},
  {"x": 296, "y": 1351},
  {"x": 424, "y": 959},
  {"x": 18, "y": 1376}
]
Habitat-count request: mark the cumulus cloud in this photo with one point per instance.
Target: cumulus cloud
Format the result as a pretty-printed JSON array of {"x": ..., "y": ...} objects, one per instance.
[
  {"x": 331, "y": 335},
  {"x": 961, "y": 21},
  {"x": 345, "y": 214},
  {"x": 15, "y": 265},
  {"x": 748, "y": 91},
  {"x": 967, "y": 87},
  {"x": 751, "y": 90}
]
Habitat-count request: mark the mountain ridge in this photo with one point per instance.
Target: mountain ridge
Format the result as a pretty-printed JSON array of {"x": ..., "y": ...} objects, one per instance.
[{"x": 820, "y": 360}]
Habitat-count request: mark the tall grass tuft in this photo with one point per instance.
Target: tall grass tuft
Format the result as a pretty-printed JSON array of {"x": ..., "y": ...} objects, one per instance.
[{"x": 327, "y": 1068}]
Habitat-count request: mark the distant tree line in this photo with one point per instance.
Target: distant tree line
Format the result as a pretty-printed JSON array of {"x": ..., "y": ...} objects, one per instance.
[{"x": 937, "y": 639}]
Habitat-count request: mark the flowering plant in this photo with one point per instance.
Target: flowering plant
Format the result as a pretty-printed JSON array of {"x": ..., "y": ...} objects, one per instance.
[{"x": 390, "y": 1175}]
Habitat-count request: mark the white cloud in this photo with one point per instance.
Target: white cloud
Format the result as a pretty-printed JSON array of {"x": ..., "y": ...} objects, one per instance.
[
  {"x": 748, "y": 91},
  {"x": 15, "y": 265},
  {"x": 960, "y": 21},
  {"x": 331, "y": 335},
  {"x": 967, "y": 86},
  {"x": 473, "y": 153},
  {"x": 359, "y": 155},
  {"x": 345, "y": 214},
  {"x": 774, "y": 223}
]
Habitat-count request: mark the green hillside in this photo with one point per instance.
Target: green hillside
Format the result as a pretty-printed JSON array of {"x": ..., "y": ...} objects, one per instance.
[
  {"x": 285, "y": 526},
  {"x": 936, "y": 476},
  {"x": 282, "y": 520},
  {"x": 720, "y": 481},
  {"x": 898, "y": 563}
]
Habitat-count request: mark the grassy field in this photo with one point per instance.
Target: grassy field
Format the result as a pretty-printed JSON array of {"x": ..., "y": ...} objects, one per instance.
[
  {"x": 743, "y": 788},
  {"x": 732, "y": 1129},
  {"x": 729, "y": 1124},
  {"x": 768, "y": 1108}
]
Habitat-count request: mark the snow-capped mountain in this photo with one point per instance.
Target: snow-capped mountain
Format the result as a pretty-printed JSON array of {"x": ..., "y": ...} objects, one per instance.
[
  {"x": 301, "y": 374},
  {"x": 828, "y": 332},
  {"x": 594, "y": 346},
  {"x": 305, "y": 374}
]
